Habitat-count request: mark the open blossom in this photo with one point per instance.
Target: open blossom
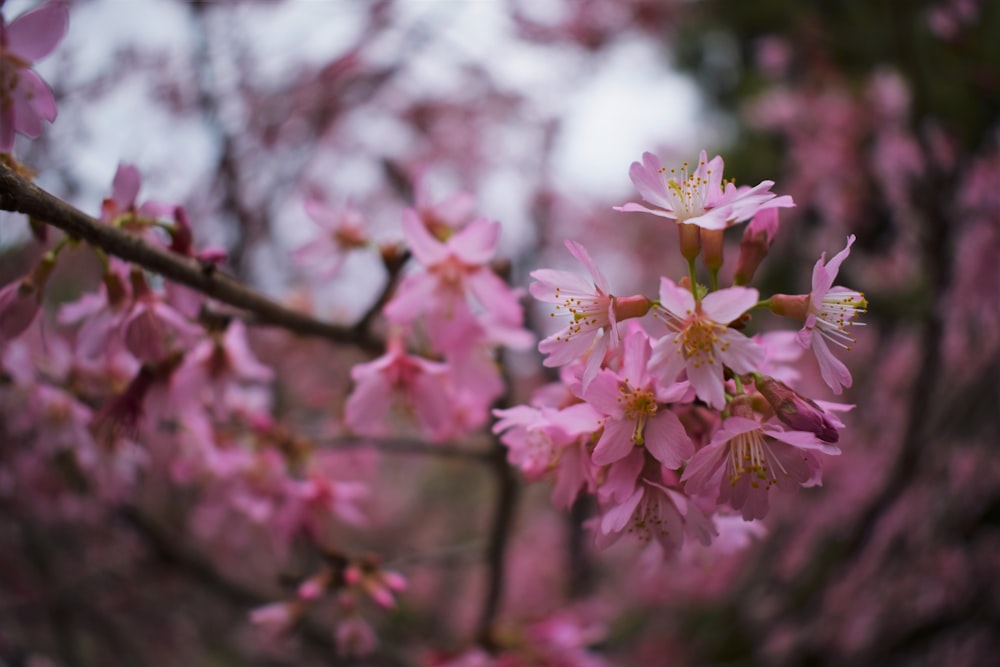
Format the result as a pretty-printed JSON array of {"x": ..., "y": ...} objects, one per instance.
[
  {"x": 635, "y": 411},
  {"x": 652, "y": 511},
  {"x": 25, "y": 100},
  {"x": 421, "y": 387},
  {"x": 698, "y": 197},
  {"x": 456, "y": 268},
  {"x": 342, "y": 230},
  {"x": 746, "y": 458},
  {"x": 827, "y": 312},
  {"x": 700, "y": 340},
  {"x": 593, "y": 311}
]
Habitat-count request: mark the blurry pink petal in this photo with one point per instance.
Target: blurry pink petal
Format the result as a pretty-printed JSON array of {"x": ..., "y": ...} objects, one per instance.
[
  {"x": 475, "y": 244},
  {"x": 35, "y": 34},
  {"x": 125, "y": 187}
]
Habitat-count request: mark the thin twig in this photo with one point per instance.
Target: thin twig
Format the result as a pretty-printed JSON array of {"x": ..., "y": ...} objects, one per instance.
[{"x": 22, "y": 196}]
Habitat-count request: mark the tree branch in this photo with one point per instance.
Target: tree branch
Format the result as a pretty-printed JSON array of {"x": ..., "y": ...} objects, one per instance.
[{"x": 22, "y": 196}]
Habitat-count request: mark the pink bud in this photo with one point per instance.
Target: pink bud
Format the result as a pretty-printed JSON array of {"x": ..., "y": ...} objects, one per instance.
[
  {"x": 797, "y": 411},
  {"x": 757, "y": 239}
]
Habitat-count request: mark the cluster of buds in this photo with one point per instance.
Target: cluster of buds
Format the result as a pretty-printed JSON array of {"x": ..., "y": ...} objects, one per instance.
[{"x": 680, "y": 423}]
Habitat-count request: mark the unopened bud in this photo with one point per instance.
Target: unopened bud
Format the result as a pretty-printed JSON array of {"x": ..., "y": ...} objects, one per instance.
[
  {"x": 797, "y": 411},
  {"x": 711, "y": 248},
  {"x": 690, "y": 240},
  {"x": 627, "y": 307},
  {"x": 757, "y": 239},
  {"x": 795, "y": 306}
]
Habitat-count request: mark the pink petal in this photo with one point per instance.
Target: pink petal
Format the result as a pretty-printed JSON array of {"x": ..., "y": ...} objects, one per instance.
[
  {"x": 707, "y": 382},
  {"x": 833, "y": 370},
  {"x": 675, "y": 299},
  {"x": 35, "y": 34},
  {"x": 424, "y": 246},
  {"x": 367, "y": 405},
  {"x": 125, "y": 187},
  {"x": 632, "y": 207},
  {"x": 741, "y": 354},
  {"x": 582, "y": 256},
  {"x": 667, "y": 440},
  {"x": 616, "y": 518},
  {"x": 476, "y": 243},
  {"x": 636, "y": 355},
  {"x": 603, "y": 394},
  {"x": 496, "y": 296},
  {"x": 615, "y": 443},
  {"x": 725, "y": 305}
]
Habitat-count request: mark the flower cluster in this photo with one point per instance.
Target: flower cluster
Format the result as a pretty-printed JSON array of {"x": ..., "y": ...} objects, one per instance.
[
  {"x": 457, "y": 311},
  {"x": 679, "y": 424}
]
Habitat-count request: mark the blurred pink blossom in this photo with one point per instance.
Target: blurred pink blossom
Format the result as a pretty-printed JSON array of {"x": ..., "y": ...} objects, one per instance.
[{"x": 25, "y": 100}]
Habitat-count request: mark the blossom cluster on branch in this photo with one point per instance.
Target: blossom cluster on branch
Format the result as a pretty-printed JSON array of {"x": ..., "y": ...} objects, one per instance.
[
  {"x": 673, "y": 424},
  {"x": 679, "y": 415}
]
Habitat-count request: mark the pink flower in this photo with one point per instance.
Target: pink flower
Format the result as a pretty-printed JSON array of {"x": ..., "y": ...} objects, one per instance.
[
  {"x": 593, "y": 311},
  {"x": 745, "y": 459},
  {"x": 422, "y": 387},
  {"x": 700, "y": 340},
  {"x": 655, "y": 512},
  {"x": 341, "y": 232},
  {"x": 122, "y": 204},
  {"x": 215, "y": 368},
  {"x": 25, "y": 100},
  {"x": 700, "y": 197},
  {"x": 635, "y": 414},
  {"x": 831, "y": 311},
  {"x": 153, "y": 330},
  {"x": 827, "y": 312},
  {"x": 456, "y": 268},
  {"x": 443, "y": 218}
]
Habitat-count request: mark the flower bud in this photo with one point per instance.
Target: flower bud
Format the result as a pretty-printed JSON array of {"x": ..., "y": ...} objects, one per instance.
[
  {"x": 757, "y": 239},
  {"x": 711, "y": 248},
  {"x": 690, "y": 240},
  {"x": 797, "y": 411},
  {"x": 627, "y": 307},
  {"x": 795, "y": 306}
]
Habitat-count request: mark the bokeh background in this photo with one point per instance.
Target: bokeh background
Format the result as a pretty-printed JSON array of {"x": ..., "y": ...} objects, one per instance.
[{"x": 881, "y": 119}]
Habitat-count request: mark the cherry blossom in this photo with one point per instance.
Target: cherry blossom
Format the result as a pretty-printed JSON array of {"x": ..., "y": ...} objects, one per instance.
[
  {"x": 700, "y": 340},
  {"x": 421, "y": 387},
  {"x": 827, "y": 311},
  {"x": 746, "y": 458},
  {"x": 593, "y": 311},
  {"x": 698, "y": 197},
  {"x": 635, "y": 414},
  {"x": 456, "y": 268},
  {"x": 25, "y": 100},
  {"x": 341, "y": 231}
]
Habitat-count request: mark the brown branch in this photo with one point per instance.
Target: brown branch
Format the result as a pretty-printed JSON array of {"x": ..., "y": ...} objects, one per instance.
[
  {"x": 22, "y": 196},
  {"x": 503, "y": 520},
  {"x": 401, "y": 445}
]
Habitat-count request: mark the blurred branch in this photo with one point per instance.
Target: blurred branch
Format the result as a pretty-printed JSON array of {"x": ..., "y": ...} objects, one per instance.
[
  {"x": 412, "y": 446},
  {"x": 22, "y": 196},
  {"x": 170, "y": 552},
  {"x": 503, "y": 520}
]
